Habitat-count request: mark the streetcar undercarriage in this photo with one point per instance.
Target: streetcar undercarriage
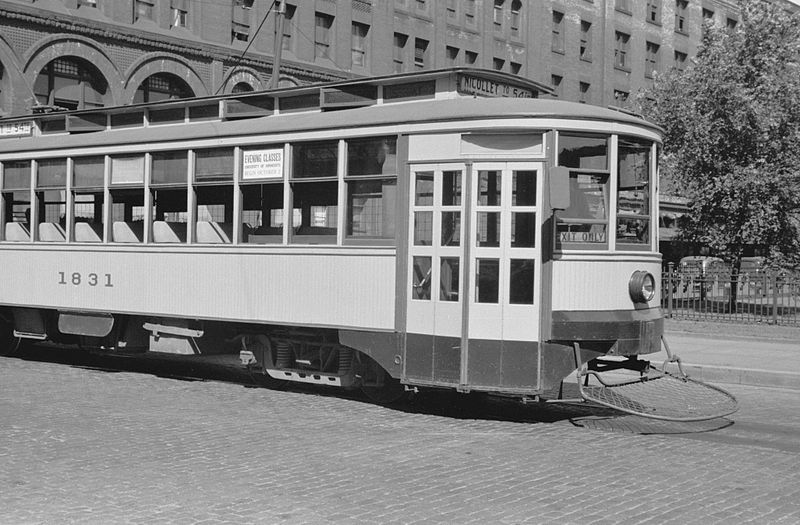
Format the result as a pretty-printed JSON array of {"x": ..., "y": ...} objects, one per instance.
[{"x": 281, "y": 354}]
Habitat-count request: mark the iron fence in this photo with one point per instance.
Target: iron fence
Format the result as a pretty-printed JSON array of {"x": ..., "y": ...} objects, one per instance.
[{"x": 765, "y": 297}]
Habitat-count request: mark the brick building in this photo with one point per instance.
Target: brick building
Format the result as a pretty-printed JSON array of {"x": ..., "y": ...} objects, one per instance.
[{"x": 88, "y": 53}]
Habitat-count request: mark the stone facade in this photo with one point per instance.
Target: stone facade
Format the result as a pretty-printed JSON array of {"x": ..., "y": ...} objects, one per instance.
[{"x": 205, "y": 48}]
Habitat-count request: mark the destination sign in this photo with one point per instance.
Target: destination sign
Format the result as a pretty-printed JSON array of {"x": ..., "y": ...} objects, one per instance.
[
  {"x": 470, "y": 85},
  {"x": 16, "y": 129}
]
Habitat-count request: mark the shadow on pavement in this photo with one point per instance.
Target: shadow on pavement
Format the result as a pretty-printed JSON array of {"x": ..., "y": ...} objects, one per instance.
[{"x": 444, "y": 403}]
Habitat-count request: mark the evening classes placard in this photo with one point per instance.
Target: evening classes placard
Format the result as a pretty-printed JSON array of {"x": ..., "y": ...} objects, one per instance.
[{"x": 262, "y": 163}]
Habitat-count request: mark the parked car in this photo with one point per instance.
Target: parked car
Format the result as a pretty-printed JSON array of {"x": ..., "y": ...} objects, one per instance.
[{"x": 701, "y": 272}]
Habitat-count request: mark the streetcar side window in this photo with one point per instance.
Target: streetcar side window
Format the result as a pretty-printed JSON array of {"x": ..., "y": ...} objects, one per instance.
[
  {"x": 213, "y": 195},
  {"x": 87, "y": 198},
  {"x": 262, "y": 213},
  {"x": 214, "y": 214},
  {"x": 584, "y": 224},
  {"x": 168, "y": 190},
  {"x": 633, "y": 194},
  {"x": 262, "y": 192},
  {"x": 17, "y": 200},
  {"x": 127, "y": 198},
  {"x": 371, "y": 181},
  {"x": 51, "y": 196},
  {"x": 315, "y": 192}
]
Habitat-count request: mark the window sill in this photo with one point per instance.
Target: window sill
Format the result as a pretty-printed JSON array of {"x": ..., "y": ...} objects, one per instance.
[{"x": 623, "y": 69}]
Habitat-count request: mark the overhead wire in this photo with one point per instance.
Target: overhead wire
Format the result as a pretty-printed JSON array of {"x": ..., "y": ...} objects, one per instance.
[{"x": 250, "y": 42}]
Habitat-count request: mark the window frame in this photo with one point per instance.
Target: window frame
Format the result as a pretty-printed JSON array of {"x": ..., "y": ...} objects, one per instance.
[
  {"x": 652, "y": 58},
  {"x": 585, "y": 48},
  {"x": 558, "y": 27},
  {"x": 622, "y": 43}
]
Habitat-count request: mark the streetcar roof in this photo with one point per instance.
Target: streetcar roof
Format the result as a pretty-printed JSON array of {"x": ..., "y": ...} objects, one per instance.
[{"x": 455, "y": 101}]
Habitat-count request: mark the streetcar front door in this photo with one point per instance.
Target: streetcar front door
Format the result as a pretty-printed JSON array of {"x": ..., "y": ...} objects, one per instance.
[
  {"x": 473, "y": 307},
  {"x": 436, "y": 268},
  {"x": 505, "y": 277}
]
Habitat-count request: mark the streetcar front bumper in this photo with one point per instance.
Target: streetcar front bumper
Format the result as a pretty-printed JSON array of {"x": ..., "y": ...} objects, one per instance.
[{"x": 618, "y": 332}]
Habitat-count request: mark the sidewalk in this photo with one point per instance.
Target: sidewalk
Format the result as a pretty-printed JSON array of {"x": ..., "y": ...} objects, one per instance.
[{"x": 758, "y": 355}]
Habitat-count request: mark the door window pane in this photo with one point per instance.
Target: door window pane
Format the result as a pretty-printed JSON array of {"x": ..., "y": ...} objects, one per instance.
[
  {"x": 488, "y": 229},
  {"x": 489, "y": 188},
  {"x": 423, "y": 228},
  {"x": 421, "y": 280},
  {"x": 448, "y": 278},
  {"x": 523, "y": 230},
  {"x": 423, "y": 189},
  {"x": 451, "y": 188},
  {"x": 521, "y": 281},
  {"x": 523, "y": 188},
  {"x": 451, "y": 228},
  {"x": 486, "y": 280}
]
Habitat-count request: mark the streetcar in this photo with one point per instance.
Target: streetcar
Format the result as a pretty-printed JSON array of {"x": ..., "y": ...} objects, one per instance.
[{"x": 448, "y": 229}]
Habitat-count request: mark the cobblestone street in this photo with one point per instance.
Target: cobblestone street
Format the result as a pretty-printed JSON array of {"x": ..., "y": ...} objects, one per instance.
[{"x": 83, "y": 444}]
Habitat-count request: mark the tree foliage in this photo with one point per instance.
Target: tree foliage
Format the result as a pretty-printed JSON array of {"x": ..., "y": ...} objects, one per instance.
[{"x": 732, "y": 135}]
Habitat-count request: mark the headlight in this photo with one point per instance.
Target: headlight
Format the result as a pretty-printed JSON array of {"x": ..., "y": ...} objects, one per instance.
[{"x": 642, "y": 286}]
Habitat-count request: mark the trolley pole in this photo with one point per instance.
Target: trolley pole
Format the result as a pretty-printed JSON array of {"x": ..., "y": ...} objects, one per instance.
[{"x": 280, "y": 10}]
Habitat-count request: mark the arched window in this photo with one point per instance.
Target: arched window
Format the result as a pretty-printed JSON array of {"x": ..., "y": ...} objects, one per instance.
[
  {"x": 242, "y": 87},
  {"x": 162, "y": 86},
  {"x": 71, "y": 83}
]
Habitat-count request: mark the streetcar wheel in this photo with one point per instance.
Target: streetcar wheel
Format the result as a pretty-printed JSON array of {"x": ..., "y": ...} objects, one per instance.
[{"x": 389, "y": 390}]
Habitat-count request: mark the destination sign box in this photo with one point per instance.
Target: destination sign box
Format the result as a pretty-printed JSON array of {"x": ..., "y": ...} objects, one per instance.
[
  {"x": 483, "y": 87},
  {"x": 16, "y": 129}
]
